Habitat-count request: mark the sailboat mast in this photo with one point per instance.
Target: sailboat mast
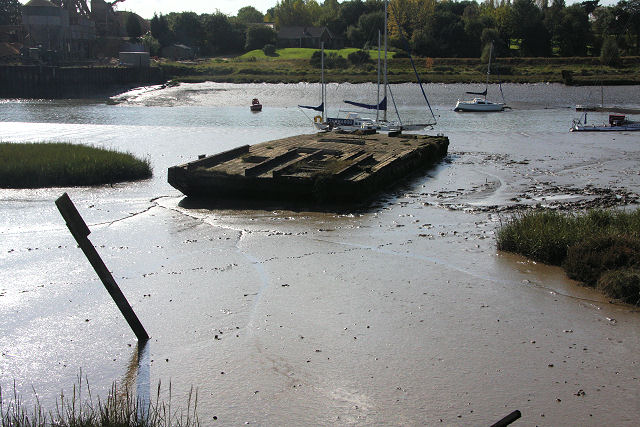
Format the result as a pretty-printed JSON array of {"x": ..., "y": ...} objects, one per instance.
[
  {"x": 378, "y": 86},
  {"x": 385, "y": 57},
  {"x": 323, "y": 93},
  {"x": 486, "y": 86}
]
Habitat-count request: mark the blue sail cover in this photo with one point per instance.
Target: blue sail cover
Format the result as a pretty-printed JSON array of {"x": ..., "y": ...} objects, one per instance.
[
  {"x": 318, "y": 108},
  {"x": 478, "y": 93},
  {"x": 382, "y": 106}
]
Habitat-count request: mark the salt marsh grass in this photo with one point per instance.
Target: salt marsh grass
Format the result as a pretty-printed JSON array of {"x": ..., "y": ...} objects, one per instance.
[
  {"x": 598, "y": 248},
  {"x": 37, "y": 165},
  {"x": 81, "y": 409}
]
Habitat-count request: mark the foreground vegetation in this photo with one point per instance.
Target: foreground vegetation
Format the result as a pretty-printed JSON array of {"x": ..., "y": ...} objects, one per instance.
[
  {"x": 120, "y": 409},
  {"x": 63, "y": 164},
  {"x": 295, "y": 65},
  {"x": 599, "y": 248}
]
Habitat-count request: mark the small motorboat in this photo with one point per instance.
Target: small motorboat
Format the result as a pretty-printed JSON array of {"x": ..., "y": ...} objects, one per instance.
[
  {"x": 255, "y": 105},
  {"x": 617, "y": 123}
]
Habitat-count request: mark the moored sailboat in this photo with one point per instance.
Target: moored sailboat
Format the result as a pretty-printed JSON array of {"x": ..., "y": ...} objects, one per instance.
[
  {"x": 354, "y": 120},
  {"x": 481, "y": 104}
]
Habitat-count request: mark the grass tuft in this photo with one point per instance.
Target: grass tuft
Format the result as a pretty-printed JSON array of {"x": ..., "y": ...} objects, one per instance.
[
  {"x": 599, "y": 248},
  {"x": 120, "y": 409},
  {"x": 623, "y": 284},
  {"x": 37, "y": 165}
]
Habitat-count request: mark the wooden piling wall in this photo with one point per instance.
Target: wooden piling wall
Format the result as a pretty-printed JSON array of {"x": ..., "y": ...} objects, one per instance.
[{"x": 35, "y": 81}]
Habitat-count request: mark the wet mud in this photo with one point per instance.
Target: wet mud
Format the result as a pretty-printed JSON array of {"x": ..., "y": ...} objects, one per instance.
[{"x": 400, "y": 313}]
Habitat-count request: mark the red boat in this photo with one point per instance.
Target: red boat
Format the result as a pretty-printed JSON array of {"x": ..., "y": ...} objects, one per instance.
[{"x": 255, "y": 105}]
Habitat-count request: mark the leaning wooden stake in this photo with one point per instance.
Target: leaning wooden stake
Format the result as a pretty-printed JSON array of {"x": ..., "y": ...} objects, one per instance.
[
  {"x": 508, "y": 419},
  {"x": 80, "y": 232}
]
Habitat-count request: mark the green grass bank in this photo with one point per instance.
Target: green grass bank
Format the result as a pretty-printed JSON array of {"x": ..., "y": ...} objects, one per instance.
[
  {"x": 599, "y": 248},
  {"x": 38, "y": 165},
  {"x": 293, "y": 66}
]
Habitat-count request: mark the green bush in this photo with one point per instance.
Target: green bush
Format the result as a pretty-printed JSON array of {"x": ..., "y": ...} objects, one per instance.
[
  {"x": 269, "y": 50},
  {"x": 622, "y": 284},
  {"x": 588, "y": 260},
  {"x": 331, "y": 60},
  {"x": 359, "y": 57}
]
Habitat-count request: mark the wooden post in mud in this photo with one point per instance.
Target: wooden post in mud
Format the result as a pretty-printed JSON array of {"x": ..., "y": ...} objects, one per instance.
[
  {"x": 508, "y": 419},
  {"x": 80, "y": 232}
]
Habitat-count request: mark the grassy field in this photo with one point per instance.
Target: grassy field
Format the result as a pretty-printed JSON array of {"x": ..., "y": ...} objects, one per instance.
[
  {"x": 599, "y": 248},
  {"x": 293, "y": 65},
  {"x": 62, "y": 164}
]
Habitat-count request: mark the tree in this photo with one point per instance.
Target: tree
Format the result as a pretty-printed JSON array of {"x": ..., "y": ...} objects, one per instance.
[
  {"x": 610, "y": 55},
  {"x": 132, "y": 24},
  {"x": 528, "y": 26},
  {"x": 160, "y": 30},
  {"x": 10, "y": 12},
  {"x": 220, "y": 35},
  {"x": 574, "y": 31},
  {"x": 186, "y": 28},
  {"x": 629, "y": 12},
  {"x": 370, "y": 24},
  {"x": 258, "y": 36},
  {"x": 292, "y": 12},
  {"x": 249, "y": 15},
  {"x": 151, "y": 43}
]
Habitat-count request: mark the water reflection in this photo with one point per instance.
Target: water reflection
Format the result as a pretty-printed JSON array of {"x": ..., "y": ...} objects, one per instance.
[{"x": 138, "y": 376}]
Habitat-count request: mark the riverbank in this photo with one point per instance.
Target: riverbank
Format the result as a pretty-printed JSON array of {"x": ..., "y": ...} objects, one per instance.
[
  {"x": 252, "y": 69},
  {"x": 18, "y": 81}
]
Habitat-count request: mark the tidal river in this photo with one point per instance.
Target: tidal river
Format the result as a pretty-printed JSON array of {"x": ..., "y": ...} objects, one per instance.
[{"x": 401, "y": 313}]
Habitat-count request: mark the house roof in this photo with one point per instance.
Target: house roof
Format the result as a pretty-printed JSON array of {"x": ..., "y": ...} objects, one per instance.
[
  {"x": 302, "y": 32},
  {"x": 41, "y": 3}
]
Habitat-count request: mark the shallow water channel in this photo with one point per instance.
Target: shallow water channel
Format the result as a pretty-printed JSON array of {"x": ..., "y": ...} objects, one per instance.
[{"x": 399, "y": 313}]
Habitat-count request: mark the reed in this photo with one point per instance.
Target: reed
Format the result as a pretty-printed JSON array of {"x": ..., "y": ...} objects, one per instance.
[
  {"x": 600, "y": 248},
  {"x": 36, "y": 165},
  {"x": 80, "y": 409}
]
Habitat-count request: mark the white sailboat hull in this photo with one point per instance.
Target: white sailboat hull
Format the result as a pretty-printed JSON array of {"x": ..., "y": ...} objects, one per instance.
[
  {"x": 478, "y": 105},
  {"x": 579, "y": 127}
]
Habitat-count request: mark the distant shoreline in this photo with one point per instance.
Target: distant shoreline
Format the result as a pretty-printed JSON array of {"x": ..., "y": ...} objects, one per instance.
[
  {"x": 253, "y": 68},
  {"x": 24, "y": 81}
]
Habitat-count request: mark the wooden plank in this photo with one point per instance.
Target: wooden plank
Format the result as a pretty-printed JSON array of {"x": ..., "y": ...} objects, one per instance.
[
  {"x": 80, "y": 231},
  {"x": 216, "y": 159}
]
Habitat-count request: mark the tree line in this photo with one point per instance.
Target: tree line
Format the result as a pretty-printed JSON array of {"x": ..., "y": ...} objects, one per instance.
[{"x": 431, "y": 28}]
